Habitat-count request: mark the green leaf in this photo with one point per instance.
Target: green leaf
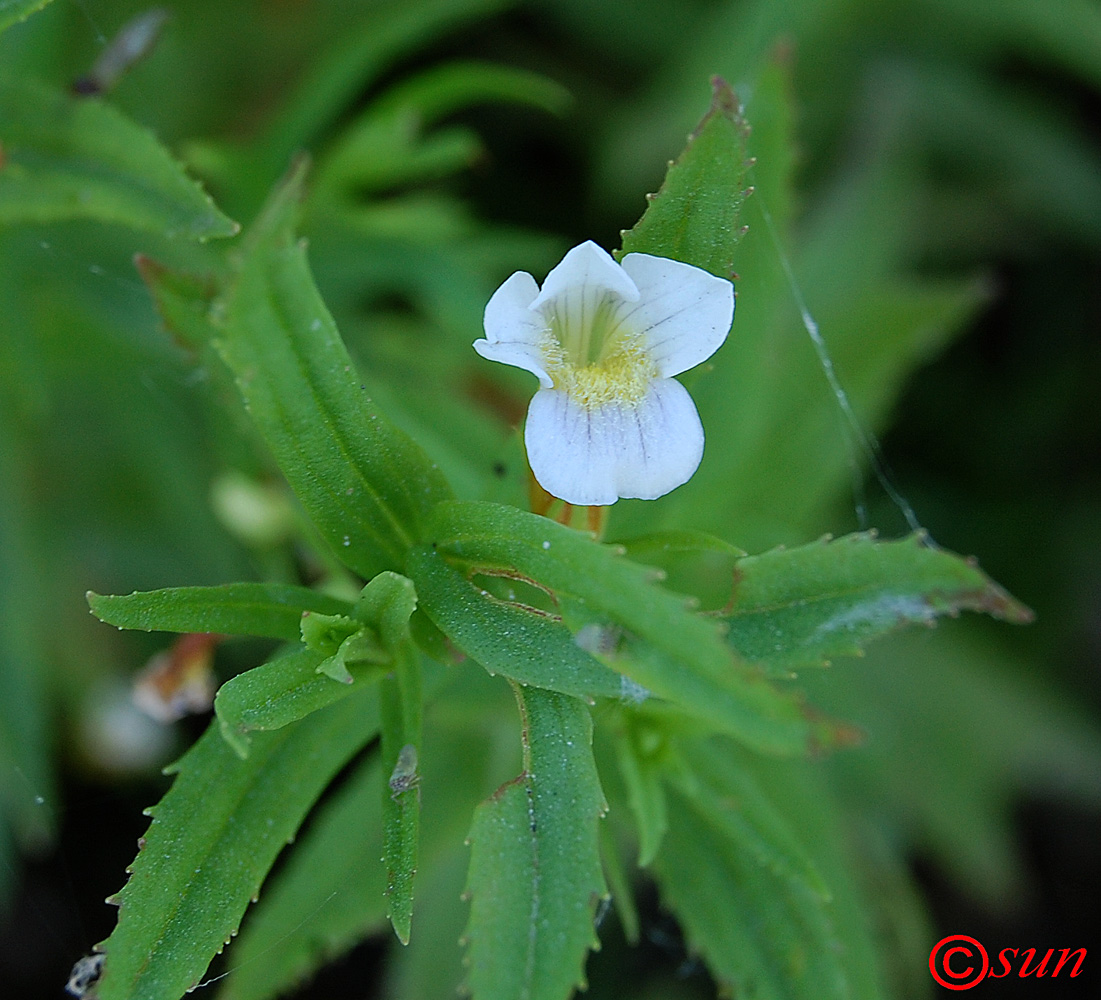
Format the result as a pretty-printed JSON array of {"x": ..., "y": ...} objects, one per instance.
[
  {"x": 273, "y": 610},
  {"x": 387, "y": 603},
  {"x": 211, "y": 842},
  {"x": 388, "y": 144},
  {"x": 383, "y": 36},
  {"x": 183, "y": 301},
  {"x": 760, "y": 934},
  {"x": 13, "y": 11},
  {"x": 619, "y": 885},
  {"x": 760, "y": 929},
  {"x": 525, "y": 645},
  {"x": 27, "y": 805},
  {"x": 732, "y": 802},
  {"x": 799, "y": 607},
  {"x": 637, "y": 750},
  {"x": 330, "y": 893},
  {"x": 68, "y": 157},
  {"x": 280, "y": 692},
  {"x": 367, "y": 487},
  {"x": 694, "y": 217},
  {"x": 958, "y": 729},
  {"x": 650, "y": 635},
  {"x": 328, "y": 897},
  {"x": 535, "y": 872}
]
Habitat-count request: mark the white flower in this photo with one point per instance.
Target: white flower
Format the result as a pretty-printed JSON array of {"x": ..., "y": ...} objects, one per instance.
[{"x": 605, "y": 340}]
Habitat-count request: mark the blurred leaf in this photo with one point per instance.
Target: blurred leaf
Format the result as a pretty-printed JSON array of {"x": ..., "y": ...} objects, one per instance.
[
  {"x": 387, "y": 145},
  {"x": 327, "y": 898},
  {"x": 211, "y": 842},
  {"x": 955, "y": 728},
  {"x": 273, "y": 610},
  {"x": 669, "y": 650},
  {"x": 694, "y": 217},
  {"x": 757, "y": 932},
  {"x": 619, "y": 885},
  {"x": 183, "y": 301},
  {"x": 535, "y": 872},
  {"x": 68, "y": 157},
  {"x": 642, "y": 776},
  {"x": 367, "y": 487},
  {"x": 737, "y": 808},
  {"x": 386, "y": 34},
  {"x": 280, "y": 692},
  {"x": 26, "y": 771},
  {"x": 751, "y": 924},
  {"x": 799, "y": 607},
  {"x": 13, "y": 11}
]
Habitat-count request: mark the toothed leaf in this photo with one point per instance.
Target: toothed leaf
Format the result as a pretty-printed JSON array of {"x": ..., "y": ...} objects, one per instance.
[
  {"x": 69, "y": 157},
  {"x": 212, "y": 840},
  {"x": 802, "y": 606},
  {"x": 652, "y": 637},
  {"x": 535, "y": 874}
]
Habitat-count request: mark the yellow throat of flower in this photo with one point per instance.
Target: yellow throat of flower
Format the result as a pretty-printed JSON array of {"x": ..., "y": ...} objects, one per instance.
[{"x": 596, "y": 358}]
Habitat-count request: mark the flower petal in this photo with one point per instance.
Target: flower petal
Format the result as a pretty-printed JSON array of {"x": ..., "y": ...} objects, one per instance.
[
  {"x": 587, "y": 271},
  {"x": 514, "y": 333},
  {"x": 592, "y": 457},
  {"x": 683, "y": 312}
]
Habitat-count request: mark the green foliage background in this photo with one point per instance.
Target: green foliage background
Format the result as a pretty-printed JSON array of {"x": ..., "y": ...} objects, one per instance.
[{"x": 933, "y": 171}]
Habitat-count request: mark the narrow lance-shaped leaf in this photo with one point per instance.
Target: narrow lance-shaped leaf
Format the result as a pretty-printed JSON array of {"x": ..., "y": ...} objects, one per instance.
[
  {"x": 637, "y": 755},
  {"x": 739, "y": 809},
  {"x": 387, "y": 603},
  {"x": 388, "y": 144},
  {"x": 367, "y": 486},
  {"x": 68, "y": 157},
  {"x": 535, "y": 874},
  {"x": 799, "y": 607},
  {"x": 618, "y": 884},
  {"x": 211, "y": 842},
  {"x": 693, "y": 217},
  {"x": 757, "y": 931},
  {"x": 333, "y": 877},
  {"x": 756, "y": 925},
  {"x": 273, "y": 610}
]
